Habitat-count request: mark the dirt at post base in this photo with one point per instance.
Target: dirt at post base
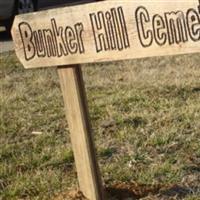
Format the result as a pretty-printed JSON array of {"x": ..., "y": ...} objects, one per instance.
[
  {"x": 190, "y": 184},
  {"x": 125, "y": 191}
]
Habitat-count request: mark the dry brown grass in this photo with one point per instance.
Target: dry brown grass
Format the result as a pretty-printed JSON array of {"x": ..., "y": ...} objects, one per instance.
[{"x": 146, "y": 121}]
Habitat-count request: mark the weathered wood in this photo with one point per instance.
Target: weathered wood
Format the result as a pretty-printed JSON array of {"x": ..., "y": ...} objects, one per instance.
[
  {"x": 107, "y": 31},
  {"x": 73, "y": 90}
]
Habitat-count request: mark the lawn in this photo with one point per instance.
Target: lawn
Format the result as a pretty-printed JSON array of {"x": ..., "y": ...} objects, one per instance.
[{"x": 145, "y": 116}]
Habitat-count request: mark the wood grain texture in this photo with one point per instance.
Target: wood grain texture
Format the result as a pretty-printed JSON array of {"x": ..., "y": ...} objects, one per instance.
[
  {"x": 107, "y": 31},
  {"x": 80, "y": 131}
]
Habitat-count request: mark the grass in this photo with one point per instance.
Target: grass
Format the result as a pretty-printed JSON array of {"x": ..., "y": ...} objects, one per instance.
[{"x": 145, "y": 116}]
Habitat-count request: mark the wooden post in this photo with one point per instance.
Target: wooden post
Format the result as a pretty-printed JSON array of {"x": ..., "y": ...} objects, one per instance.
[{"x": 73, "y": 90}]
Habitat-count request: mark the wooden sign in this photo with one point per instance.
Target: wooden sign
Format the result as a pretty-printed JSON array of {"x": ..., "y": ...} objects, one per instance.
[
  {"x": 97, "y": 32},
  {"x": 107, "y": 31}
]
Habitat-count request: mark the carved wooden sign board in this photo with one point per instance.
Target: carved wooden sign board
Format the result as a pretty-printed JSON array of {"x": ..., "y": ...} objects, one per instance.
[
  {"x": 107, "y": 31},
  {"x": 99, "y": 32}
]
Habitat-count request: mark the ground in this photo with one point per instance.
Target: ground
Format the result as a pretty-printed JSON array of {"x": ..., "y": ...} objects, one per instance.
[{"x": 145, "y": 116}]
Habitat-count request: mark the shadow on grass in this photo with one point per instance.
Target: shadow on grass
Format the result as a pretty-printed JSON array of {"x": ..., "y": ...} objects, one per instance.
[{"x": 133, "y": 191}]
